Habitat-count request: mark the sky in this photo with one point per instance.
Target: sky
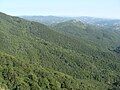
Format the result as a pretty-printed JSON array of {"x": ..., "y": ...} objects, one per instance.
[{"x": 93, "y": 8}]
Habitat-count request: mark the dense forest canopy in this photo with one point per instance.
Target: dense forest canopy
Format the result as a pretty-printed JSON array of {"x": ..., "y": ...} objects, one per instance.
[{"x": 66, "y": 55}]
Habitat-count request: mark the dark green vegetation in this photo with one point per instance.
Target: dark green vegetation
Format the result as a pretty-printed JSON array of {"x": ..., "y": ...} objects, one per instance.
[{"x": 66, "y": 56}]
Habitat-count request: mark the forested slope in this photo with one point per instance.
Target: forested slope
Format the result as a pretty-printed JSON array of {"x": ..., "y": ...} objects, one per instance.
[{"x": 35, "y": 57}]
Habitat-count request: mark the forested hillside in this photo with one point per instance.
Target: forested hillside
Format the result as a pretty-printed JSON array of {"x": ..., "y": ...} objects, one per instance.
[
  {"x": 67, "y": 56},
  {"x": 104, "y": 37}
]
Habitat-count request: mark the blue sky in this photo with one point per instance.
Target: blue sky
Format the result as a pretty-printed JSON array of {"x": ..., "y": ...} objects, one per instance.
[{"x": 94, "y": 8}]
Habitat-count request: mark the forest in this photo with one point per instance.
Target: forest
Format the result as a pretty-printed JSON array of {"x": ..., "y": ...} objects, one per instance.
[{"x": 69, "y": 55}]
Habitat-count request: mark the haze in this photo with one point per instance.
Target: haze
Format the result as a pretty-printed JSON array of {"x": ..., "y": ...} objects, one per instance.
[{"x": 94, "y": 8}]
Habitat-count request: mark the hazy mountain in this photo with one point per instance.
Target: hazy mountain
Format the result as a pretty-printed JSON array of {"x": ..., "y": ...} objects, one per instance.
[
  {"x": 48, "y": 20},
  {"x": 110, "y": 23},
  {"x": 70, "y": 55},
  {"x": 103, "y": 36},
  {"x": 100, "y": 21}
]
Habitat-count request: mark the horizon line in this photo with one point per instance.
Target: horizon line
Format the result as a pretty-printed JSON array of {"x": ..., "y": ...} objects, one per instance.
[{"x": 69, "y": 16}]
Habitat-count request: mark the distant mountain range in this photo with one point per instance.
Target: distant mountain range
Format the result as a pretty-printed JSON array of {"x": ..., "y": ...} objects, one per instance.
[
  {"x": 59, "y": 53},
  {"x": 48, "y": 20}
]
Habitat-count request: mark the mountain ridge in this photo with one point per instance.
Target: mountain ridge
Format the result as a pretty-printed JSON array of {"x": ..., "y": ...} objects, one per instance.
[{"x": 36, "y": 56}]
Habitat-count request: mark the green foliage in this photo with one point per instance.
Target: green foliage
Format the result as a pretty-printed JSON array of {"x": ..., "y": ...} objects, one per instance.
[{"x": 73, "y": 56}]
